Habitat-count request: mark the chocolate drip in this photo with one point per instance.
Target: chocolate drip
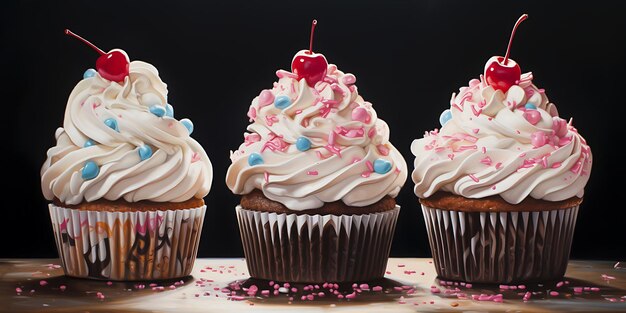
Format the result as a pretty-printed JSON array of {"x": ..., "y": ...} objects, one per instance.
[
  {"x": 316, "y": 248},
  {"x": 500, "y": 247}
]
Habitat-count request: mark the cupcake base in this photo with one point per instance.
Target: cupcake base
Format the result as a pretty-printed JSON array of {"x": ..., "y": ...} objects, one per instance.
[
  {"x": 500, "y": 247},
  {"x": 316, "y": 248},
  {"x": 127, "y": 245}
]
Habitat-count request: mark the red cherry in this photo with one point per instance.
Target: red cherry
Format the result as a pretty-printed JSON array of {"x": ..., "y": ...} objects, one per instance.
[
  {"x": 308, "y": 65},
  {"x": 501, "y": 72},
  {"x": 113, "y": 65}
]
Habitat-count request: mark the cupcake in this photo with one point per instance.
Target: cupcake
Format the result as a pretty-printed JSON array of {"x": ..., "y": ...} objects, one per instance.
[
  {"x": 125, "y": 179},
  {"x": 318, "y": 178},
  {"x": 501, "y": 182}
]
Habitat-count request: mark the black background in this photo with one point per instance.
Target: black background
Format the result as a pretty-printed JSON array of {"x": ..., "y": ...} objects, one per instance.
[{"x": 408, "y": 57}]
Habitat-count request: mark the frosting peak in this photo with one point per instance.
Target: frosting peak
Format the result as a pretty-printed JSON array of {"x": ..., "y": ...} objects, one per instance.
[
  {"x": 310, "y": 145},
  {"x": 121, "y": 140},
  {"x": 511, "y": 144}
]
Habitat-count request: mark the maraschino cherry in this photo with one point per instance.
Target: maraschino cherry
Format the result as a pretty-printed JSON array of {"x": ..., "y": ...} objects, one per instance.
[
  {"x": 501, "y": 72},
  {"x": 308, "y": 65},
  {"x": 113, "y": 65}
]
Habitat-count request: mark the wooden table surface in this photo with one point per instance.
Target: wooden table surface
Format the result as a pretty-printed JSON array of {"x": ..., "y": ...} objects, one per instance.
[{"x": 222, "y": 285}]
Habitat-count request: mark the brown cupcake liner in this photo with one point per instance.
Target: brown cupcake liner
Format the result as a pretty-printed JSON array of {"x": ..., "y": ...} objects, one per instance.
[
  {"x": 500, "y": 247},
  {"x": 127, "y": 246},
  {"x": 316, "y": 248}
]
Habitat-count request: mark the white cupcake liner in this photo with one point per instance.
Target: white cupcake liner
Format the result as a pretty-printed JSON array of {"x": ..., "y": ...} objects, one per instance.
[
  {"x": 316, "y": 248},
  {"x": 500, "y": 247},
  {"x": 127, "y": 246}
]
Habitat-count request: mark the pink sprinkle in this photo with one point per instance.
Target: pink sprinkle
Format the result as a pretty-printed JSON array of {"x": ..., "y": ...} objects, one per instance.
[
  {"x": 397, "y": 288},
  {"x": 473, "y": 177},
  {"x": 383, "y": 149},
  {"x": 311, "y": 173},
  {"x": 377, "y": 288},
  {"x": 267, "y": 177},
  {"x": 276, "y": 292},
  {"x": 401, "y": 265},
  {"x": 435, "y": 290},
  {"x": 559, "y": 284},
  {"x": 504, "y": 287},
  {"x": 237, "y": 298},
  {"x": 527, "y": 296},
  {"x": 294, "y": 289},
  {"x": 484, "y": 150},
  {"x": 265, "y": 292},
  {"x": 522, "y": 287},
  {"x": 43, "y": 283},
  {"x": 339, "y": 296},
  {"x": 486, "y": 160},
  {"x": 451, "y": 156},
  {"x": 595, "y": 289},
  {"x": 18, "y": 290},
  {"x": 276, "y": 286},
  {"x": 287, "y": 285},
  {"x": 554, "y": 293},
  {"x": 154, "y": 285},
  {"x": 498, "y": 165},
  {"x": 351, "y": 296},
  {"x": 364, "y": 286},
  {"x": 476, "y": 130},
  {"x": 321, "y": 294},
  {"x": 468, "y": 285},
  {"x": 109, "y": 283},
  {"x": 607, "y": 277}
]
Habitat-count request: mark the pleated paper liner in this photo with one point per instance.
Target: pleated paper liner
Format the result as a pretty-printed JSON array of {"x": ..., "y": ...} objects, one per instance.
[
  {"x": 316, "y": 248},
  {"x": 127, "y": 246},
  {"x": 500, "y": 247}
]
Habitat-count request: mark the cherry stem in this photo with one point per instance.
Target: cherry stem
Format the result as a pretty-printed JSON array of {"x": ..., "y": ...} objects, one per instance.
[
  {"x": 70, "y": 33},
  {"x": 508, "y": 48},
  {"x": 311, "y": 39}
]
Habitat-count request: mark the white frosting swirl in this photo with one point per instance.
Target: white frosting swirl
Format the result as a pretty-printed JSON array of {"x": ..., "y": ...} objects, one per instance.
[
  {"x": 177, "y": 170},
  {"x": 493, "y": 145},
  {"x": 346, "y": 137}
]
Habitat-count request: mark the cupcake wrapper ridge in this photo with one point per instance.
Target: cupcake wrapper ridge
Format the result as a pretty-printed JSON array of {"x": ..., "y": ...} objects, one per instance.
[
  {"x": 500, "y": 247},
  {"x": 316, "y": 248},
  {"x": 127, "y": 246}
]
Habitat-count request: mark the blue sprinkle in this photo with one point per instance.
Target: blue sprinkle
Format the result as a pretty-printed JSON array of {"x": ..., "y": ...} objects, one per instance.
[
  {"x": 188, "y": 124},
  {"x": 445, "y": 117},
  {"x": 157, "y": 110},
  {"x": 89, "y": 143},
  {"x": 89, "y": 73},
  {"x": 282, "y": 102},
  {"x": 145, "y": 152},
  {"x": 530, "y": 106},
  {"x": 382, "y": 166},
  {"x": 112, "y": 123},
  {"x": 169, "y": 110},
  {"x": 255, "y": 159},
  {"x": 90, "y": 170},
  {"x": 303, "y": 144}
]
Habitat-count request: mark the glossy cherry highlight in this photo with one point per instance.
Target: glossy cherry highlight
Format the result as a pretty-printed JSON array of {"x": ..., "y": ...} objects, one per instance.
[
  {"x": 501, "y": 72},
  {"x": 309, "y": 65},
  {"x": 113, "y": 65}
]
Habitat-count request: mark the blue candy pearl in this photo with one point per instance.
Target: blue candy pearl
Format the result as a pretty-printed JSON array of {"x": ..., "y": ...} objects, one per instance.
[
  {"x": 530, "y": 106},
  {"x": 90, "y": 170},
  {"x": 282, "y": 102},
  {"x": 382, "y": 166},
  {"x": 112, "y": 123},
  {"x": 89, "y": 73},
  {"x": 303, "y": 144},
  {"x": 188, "y": 124},
  {"x": 89, "y": 143},
  {"x": 255, "y": 159},
  {"x": 445, "y": 117},
  {"x": 157, "y": 110},
  {"x": 169, "y": 110},
  {"x": 145, "y": 152}
]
